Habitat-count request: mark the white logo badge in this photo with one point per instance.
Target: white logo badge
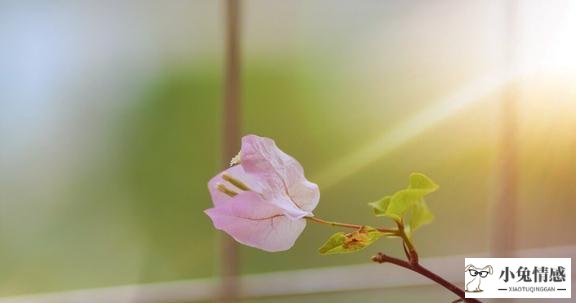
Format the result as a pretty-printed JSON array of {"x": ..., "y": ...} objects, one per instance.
[{"x": 517, "y": 277}]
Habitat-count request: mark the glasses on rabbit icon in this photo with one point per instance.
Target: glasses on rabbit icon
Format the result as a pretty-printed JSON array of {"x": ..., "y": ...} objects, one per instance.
[{"x": 482, "y": 273}]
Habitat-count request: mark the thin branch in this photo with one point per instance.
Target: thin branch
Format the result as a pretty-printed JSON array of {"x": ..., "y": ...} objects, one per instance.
[
  {"x": 347, "y": 225},
  {"x": 406, "y": 252},
  {"x": 382, "y": 258},
  {"x": 332, "y": 223},
  {"x": 407, "y": 245},
  {"x": 410, "y": 251}
]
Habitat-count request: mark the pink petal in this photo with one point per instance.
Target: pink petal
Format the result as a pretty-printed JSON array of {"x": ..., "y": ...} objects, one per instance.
[
  {"x": 236, "y": 172},
  {"x": 282, "y": 173},
  {"x": 257, "y": 223},
  {"x": 287, "y": 206},
  {"x": 306, "y": 194}
]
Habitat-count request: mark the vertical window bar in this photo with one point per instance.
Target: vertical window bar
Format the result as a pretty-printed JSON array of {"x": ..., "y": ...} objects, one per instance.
[
  {"x": 504, "y": 211},
  {"x": 231, "y": 132}
]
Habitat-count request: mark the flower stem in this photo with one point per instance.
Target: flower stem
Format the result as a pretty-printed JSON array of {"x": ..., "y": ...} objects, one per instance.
[
  {"x": 416, "y": 267},
  {"x": 346, "y": 225},
  {"x": 332, "y": 223}
]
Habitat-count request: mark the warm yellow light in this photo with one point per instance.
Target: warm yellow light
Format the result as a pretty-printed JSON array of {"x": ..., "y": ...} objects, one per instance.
[
  {"x": 440, "y": 110},
  {"x": 547, "y": 37}
]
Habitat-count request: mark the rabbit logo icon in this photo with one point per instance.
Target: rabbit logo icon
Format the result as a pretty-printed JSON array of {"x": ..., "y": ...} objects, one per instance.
[{"x": 474, "y": 276}]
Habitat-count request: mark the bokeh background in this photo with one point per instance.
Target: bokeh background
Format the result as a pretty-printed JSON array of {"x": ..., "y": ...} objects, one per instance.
[{"x": 111, "y": 122}]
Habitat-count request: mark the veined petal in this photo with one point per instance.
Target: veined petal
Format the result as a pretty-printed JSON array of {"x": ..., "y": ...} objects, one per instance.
[
  {"x": 282, "y": 173},
  {"x": 254, "y": 222},
  {"x": 289, "y": 209}
]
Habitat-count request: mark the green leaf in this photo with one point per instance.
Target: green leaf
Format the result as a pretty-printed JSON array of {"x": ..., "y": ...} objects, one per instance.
[
  {"x": 409, "y": 200},
  {"x": 333, "y": 244},
  {"x": 401, "y": 202},
  {"x": 340, "y": 243},
  {"x": 380, "y": 206},
  {"x": 422, "y": 182},
  {"x": 421, "y": 215}
]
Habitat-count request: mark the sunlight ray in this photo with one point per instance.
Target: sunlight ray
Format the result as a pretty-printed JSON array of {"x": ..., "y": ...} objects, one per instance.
[{"x": 444, "y": 108}]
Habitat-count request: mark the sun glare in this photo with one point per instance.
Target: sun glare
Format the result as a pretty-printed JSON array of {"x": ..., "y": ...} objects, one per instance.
[
  {"x": 547, "y": 38},
  {"x": 441, "y": 110},
  {"x": 545, "y": 49}
]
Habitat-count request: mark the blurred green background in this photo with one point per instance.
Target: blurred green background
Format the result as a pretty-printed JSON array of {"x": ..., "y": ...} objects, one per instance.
[{"x": 110, "y": 125}]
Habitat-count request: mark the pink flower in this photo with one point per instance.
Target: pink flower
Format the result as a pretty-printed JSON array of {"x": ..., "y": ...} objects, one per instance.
[{"x": 263, "y": 199}]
